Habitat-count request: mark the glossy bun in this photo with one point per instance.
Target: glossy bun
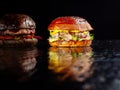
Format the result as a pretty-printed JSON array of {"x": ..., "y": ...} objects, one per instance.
[
  {"x": 70, "y": 23},
  {"x": 17, "y": 21}
]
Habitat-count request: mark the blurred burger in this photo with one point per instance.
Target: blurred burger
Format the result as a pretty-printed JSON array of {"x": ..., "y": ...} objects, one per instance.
[
  {"x": 18, "y": 30},
  {"x": 70, "y": 31}
]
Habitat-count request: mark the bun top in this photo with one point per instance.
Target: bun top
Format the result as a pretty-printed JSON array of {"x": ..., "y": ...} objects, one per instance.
[
  {"x": 70, "y": 23},
  {"x": 16, "y": 21}
]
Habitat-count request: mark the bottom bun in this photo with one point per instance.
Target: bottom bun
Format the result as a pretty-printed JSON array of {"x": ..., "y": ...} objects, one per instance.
[
  {"x": 71, "y": 43},
  {"x": 19, "y": 43}
]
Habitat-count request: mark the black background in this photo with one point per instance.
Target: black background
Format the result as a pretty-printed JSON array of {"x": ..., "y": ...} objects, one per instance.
[{"x": 103, "y": 15}]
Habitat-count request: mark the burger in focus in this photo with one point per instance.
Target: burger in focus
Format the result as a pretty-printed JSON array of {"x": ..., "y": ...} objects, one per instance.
[
  {"x": 18, "y": 30},
  {"x": 70, "y": 31}
]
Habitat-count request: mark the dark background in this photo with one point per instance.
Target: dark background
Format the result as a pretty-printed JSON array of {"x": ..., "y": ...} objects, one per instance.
[{"x": 103, "y": 15}]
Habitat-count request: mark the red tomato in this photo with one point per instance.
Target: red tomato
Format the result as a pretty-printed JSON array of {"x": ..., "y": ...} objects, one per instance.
[{"x": 8, "y": 37}]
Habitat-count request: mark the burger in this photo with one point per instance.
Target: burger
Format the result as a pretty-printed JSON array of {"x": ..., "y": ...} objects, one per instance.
[
  {"x": 70, "y": 31},
  {"x": 17, "y": 30},
  {"x": 71, "y": 63}
]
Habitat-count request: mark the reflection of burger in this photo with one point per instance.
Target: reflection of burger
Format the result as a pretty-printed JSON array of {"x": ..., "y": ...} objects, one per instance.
[
  {"x": 20, "y": 62},
  {"x": 70, "y": 31},
  {"x": 17, "y": 30},
  {"x": 71, "y": 62}
]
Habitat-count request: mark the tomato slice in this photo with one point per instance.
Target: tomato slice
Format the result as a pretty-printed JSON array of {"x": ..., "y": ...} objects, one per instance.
[
  {"x": 6, "y": 37},
  {"x": 29, "y": 37},
  {"x": 1, "y": 37}
]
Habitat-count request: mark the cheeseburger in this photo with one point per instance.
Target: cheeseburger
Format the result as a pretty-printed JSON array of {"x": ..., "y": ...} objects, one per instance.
[
  {"x": 70, "y": 31},
  {"x": 17, "y": 30}
]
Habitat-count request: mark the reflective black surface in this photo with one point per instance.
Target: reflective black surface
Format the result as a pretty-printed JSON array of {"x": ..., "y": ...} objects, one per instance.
[{"x": 43, "y": 67}]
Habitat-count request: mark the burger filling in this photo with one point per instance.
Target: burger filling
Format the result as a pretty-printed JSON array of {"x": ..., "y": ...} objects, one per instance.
[
  {"x": 73, "y": 35},
  {"x": 18, "y": 35}
]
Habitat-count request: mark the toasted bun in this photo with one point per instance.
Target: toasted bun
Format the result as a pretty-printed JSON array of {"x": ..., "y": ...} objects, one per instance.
[
  {"x": 16, "y": 21},
  {"x": 70, "y": 23},
  {"x": 71, "y": 43}
]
